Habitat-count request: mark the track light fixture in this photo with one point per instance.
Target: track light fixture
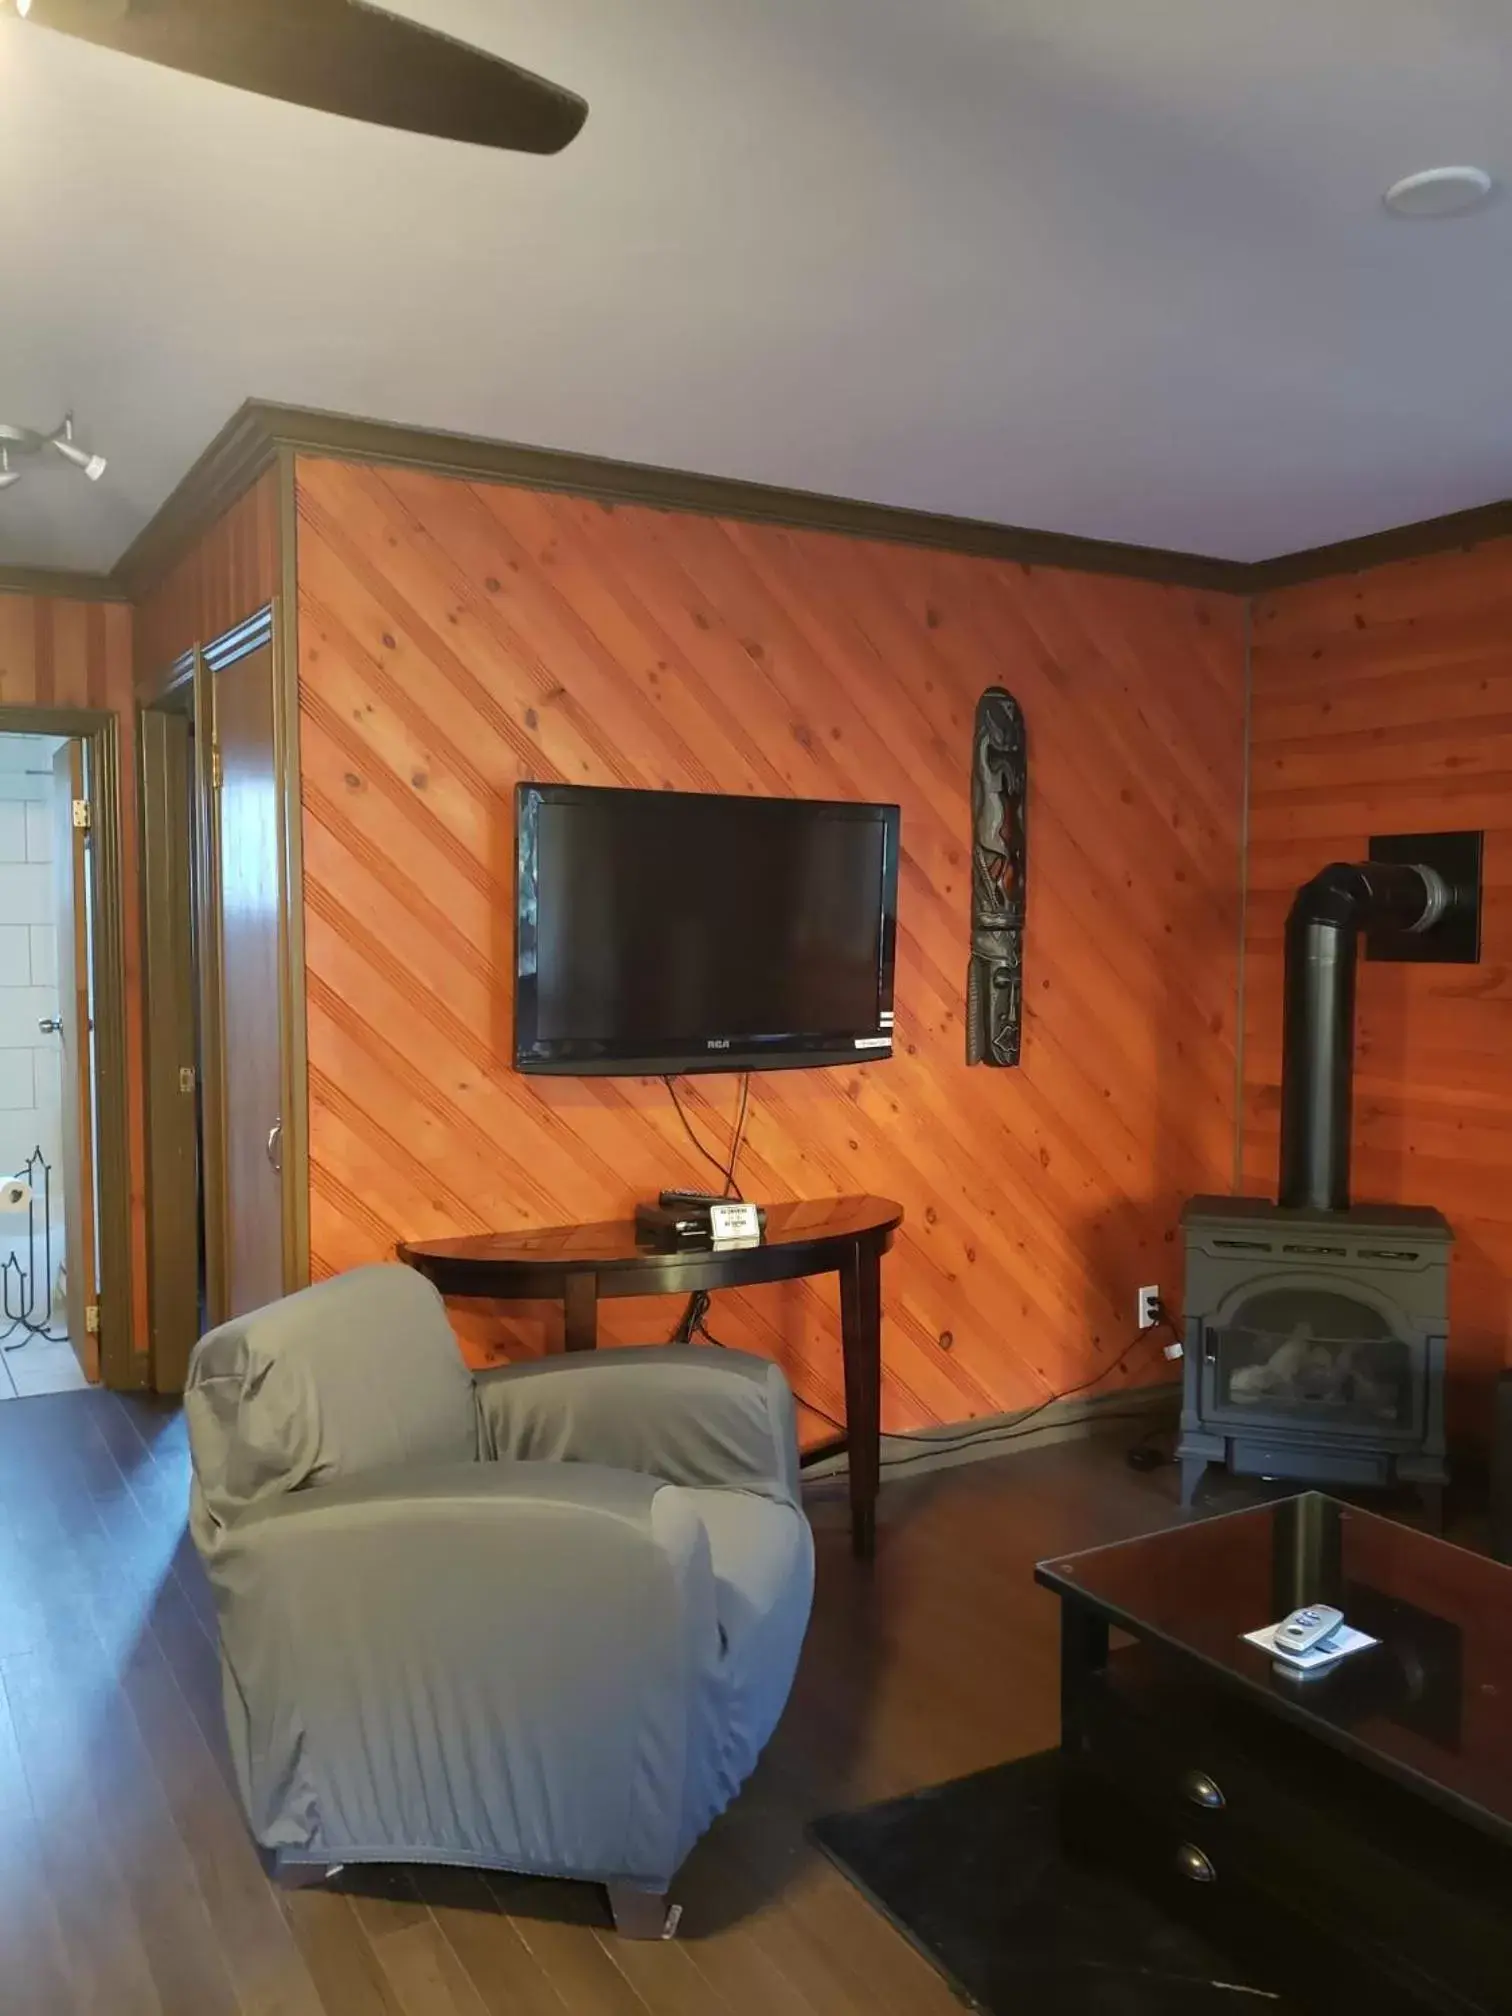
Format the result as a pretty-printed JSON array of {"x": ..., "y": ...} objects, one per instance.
[
  {"x": 94, "y": 466},
  {"x": 29, "y": 441}
]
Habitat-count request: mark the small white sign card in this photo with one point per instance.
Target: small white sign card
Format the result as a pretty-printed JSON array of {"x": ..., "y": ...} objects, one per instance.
[{"x": 734, "y": 1225}]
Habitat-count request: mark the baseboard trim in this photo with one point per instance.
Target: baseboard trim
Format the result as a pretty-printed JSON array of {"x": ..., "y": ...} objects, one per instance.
[{"x": 1141, "y": 1408}]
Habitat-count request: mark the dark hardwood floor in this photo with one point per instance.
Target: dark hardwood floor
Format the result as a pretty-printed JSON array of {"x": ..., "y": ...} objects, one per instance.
[{"x": 128, "y": 1885}]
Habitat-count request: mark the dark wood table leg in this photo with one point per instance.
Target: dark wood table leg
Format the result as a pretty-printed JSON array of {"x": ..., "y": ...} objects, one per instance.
[
  {"x": 861, "y": 1336},
  {"x": 580, "y": 1306},
  {"x": 1084, "y": 1656}
]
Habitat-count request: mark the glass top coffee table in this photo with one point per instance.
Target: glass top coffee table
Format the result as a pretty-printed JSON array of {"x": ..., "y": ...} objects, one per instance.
[{"x": 1364, "y": 1813}]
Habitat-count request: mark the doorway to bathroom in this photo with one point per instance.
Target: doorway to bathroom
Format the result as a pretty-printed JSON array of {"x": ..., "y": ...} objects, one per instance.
[{"x": 49, "y": 1151}]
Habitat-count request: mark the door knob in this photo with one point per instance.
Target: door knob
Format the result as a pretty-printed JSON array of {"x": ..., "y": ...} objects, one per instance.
[
  {"x": 50, "y": 1026},
  {"x": 275, "y": 1145}
]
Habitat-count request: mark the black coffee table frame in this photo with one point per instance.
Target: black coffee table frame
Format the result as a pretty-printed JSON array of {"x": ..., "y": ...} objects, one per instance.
[{"x": 1341, "y": 1875}]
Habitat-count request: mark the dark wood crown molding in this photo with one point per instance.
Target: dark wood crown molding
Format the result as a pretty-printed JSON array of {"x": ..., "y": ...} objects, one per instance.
[
  {"x": 1378, "y": 549},
  {"x": 238, "y": 455},
  {"x": 256, "y": 435},
  {"x": 61, "y": 584}
]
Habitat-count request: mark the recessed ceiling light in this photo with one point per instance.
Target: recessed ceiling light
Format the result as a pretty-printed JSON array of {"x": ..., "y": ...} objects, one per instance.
[{"x": 1439, "y": 192}]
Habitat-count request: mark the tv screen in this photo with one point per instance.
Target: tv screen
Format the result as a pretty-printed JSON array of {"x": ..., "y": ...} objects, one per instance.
[{"x": 668, "y": 931}]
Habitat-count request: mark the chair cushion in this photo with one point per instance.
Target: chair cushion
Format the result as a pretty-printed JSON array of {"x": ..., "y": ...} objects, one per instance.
[
  {"x": 763, "y": 1557},
  {"x": 358, "y": 1374}
]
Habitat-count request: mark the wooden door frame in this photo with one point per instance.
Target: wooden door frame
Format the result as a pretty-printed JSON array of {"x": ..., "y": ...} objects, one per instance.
[
  {"x": 122, "y": 1367},
  {"x": 167, "y": 947},
  {"x": 292, "y": 971},
  {"x": 187, "y": 689}
]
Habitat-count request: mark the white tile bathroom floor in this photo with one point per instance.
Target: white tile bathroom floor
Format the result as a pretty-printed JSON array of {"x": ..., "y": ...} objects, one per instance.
[{"x": 40, "y": 1365}]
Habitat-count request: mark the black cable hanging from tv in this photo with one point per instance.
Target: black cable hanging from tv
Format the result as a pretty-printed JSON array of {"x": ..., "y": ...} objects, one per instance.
[{"x": 694, "y": 1323}]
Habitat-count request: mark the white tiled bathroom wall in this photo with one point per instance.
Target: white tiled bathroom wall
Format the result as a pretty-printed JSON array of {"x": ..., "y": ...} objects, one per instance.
[{"x": 30, "y": 1080}]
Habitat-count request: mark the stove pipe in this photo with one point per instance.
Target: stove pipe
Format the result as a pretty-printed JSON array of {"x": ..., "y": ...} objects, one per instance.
[{"x": 1317, "y": 1038}]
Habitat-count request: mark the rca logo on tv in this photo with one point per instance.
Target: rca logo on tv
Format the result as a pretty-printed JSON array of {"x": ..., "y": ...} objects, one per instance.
[{"x": 717, "y": 1043}]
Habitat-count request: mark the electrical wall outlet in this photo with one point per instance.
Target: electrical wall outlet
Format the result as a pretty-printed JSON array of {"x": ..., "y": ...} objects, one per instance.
[{"x": 1148, "y": 1312}]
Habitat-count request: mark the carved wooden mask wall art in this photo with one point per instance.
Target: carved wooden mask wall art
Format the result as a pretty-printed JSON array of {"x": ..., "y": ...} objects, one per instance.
[{"x": 999, "y": 797}]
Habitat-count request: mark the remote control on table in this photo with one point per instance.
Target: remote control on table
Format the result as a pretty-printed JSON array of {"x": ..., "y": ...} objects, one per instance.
[
  {"x": 1305, "y": 1630},
  {"x": 670, "y": 1199}
]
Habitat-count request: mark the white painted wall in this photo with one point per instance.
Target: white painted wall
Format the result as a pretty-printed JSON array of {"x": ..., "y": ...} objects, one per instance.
[{"x": 30, "y": 1080}]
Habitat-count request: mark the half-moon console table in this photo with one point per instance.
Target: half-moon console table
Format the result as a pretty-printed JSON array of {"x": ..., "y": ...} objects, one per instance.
[{"x": 577, "y": 1264}]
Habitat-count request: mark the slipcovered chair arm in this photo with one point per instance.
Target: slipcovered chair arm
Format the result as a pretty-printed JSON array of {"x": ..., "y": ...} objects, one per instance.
[
  {"x": 686, "y": 1413},
  {"x": 506, "y": 1660}
]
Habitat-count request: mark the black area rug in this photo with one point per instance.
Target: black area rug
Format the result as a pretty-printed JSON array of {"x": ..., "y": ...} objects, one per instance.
[{"x": 972, "y": 1874}]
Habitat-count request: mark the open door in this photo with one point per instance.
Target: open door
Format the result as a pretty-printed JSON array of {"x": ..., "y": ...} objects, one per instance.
[{"x": 71, "y": 899}]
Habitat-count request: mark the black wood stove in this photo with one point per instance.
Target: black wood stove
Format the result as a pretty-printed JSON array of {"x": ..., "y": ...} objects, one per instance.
[{"x": 1316, "y": 1328}]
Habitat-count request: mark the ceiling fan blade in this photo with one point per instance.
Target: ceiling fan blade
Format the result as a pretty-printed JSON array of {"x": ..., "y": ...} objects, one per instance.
[{"x": 345, "y": 56}]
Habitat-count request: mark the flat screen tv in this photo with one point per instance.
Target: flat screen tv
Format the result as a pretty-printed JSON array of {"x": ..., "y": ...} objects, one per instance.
[{"x": 662, "y": 931}]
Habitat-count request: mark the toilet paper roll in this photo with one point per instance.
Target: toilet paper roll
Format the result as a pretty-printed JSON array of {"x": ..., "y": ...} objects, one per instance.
[{"x": 15, "y": 1195}]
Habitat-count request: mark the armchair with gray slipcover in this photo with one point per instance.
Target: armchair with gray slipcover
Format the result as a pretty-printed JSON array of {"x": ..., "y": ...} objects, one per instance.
[{"x": 542, "y": 1619}]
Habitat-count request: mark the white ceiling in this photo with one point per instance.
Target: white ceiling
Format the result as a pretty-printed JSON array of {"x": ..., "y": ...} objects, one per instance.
[{"x": 1112, "y": 267}]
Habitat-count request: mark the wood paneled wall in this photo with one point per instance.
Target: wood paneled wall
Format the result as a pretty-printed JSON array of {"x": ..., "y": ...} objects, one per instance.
[
  {"x": 229, "y": 573},
  {"x": 56, "y": 653},
  {"x": 458, "y": 637},
  {"x": 1383, "y": 704}
]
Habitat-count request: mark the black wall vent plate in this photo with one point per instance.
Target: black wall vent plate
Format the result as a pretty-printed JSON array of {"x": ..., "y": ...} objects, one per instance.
[{"x": 1455, "y": 939}]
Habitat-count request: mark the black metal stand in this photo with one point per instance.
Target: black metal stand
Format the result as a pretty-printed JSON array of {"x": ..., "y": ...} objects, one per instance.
[{"x": 18, "y": 1285}]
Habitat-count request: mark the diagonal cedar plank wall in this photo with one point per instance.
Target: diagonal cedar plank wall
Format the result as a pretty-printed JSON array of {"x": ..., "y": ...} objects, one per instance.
[
  {"x": 1383, "y": 704},
  {"x": 457, "y": 637}
]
